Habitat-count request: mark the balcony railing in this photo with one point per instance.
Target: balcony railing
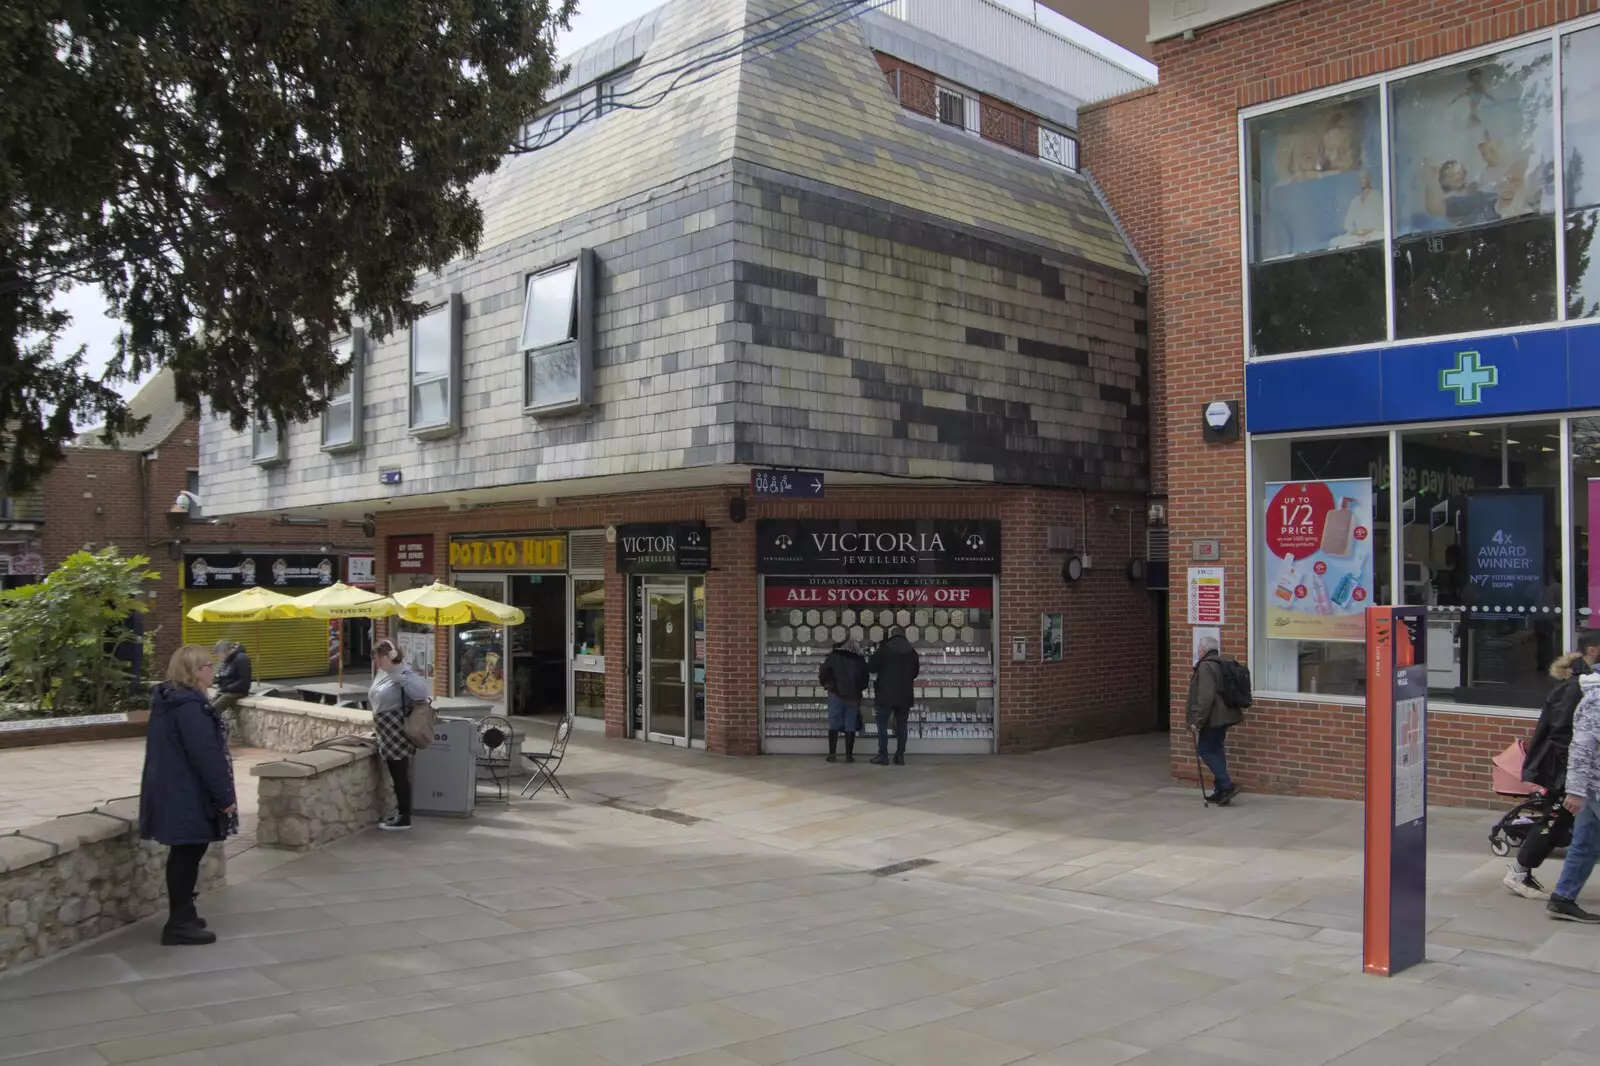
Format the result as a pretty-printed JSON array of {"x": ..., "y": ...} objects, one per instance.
[{"x": 1016, "y": 41}]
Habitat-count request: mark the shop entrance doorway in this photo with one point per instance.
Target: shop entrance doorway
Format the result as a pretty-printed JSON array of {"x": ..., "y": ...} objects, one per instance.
[
  {"x": 540, "y": 670},
  {"x": 673, "y": 660}
]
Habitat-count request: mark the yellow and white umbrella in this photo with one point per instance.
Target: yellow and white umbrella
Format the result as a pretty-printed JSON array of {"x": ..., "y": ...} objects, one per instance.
[
  {"x": 251, "y": 605},
  {"x": 444, "y": 605},
  {"x": 340, "y": 601}
]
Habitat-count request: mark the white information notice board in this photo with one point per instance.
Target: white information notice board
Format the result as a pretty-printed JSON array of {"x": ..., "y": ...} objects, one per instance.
[
  {"x": 1207, "y": 596},
  {"x": 1410, "y": 769}
]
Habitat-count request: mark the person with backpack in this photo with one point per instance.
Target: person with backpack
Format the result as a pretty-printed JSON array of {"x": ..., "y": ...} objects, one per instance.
[
  {"x": 1216, "y": 705},
  {"x": 844, "y": 676}
]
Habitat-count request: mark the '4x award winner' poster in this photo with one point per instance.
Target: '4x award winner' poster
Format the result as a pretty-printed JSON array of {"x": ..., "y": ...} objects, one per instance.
[{"x": 1319, "y": 559}]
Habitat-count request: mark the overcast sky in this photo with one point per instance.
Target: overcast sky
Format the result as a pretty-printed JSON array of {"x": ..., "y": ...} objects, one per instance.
[{"x": 595, "y": 18}]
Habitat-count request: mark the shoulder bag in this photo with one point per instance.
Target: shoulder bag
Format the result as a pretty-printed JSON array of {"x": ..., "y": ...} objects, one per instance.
[{"x": 419, "y": 721}]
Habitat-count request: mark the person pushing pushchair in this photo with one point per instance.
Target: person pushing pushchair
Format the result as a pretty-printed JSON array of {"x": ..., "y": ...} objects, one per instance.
[{"x": 1546, "y": 765}]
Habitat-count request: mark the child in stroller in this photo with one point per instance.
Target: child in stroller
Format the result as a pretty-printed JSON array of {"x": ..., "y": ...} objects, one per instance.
[
  {"x": 1536, "y": 808},
  {"x": 1537, "y": 772}
]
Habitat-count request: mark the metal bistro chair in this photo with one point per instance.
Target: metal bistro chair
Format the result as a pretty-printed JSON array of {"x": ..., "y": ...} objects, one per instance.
[
  {"x": 545, "y": 764},
  {"x": 492, "y": 746}
]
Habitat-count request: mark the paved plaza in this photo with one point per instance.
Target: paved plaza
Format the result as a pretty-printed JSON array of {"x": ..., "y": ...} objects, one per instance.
[{"x": 1072, "y": 907}]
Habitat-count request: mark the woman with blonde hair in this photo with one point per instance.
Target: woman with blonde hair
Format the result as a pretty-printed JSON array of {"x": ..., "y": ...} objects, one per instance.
[{"x": 186, "y": 796}]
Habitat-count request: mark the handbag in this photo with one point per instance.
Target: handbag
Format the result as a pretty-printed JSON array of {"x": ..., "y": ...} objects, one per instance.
[{"x": 419, "y": 721}]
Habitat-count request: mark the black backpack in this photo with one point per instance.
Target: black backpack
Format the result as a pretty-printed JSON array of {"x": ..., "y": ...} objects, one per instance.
[{"x": 1235, "y": 684}]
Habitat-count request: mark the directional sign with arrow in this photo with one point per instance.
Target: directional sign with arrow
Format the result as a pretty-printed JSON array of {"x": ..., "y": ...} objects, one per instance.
[{"x": 787, "y": 484}]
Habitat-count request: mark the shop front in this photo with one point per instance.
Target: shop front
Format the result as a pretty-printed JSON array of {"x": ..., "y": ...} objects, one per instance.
[
  {"x": 410, "y": 560},
  {"x": 300, "y": 647},
  {"x": 664, "y": 565},
  {"x": 828, "y": 582},
  {"x": 527, "y": 669}
]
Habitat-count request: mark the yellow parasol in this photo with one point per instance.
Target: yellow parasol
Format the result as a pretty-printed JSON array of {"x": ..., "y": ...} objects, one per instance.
[
  {"x": 340, "y": 601},
  {"x": 443, "y": 605},
  {"x": 250, "y": 605}
]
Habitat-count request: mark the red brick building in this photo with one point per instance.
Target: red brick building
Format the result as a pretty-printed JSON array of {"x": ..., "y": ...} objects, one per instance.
[
  {"x": 100, "y": 496},
  {"x": 620, "y": 415},
  {"x": 1368, "y": 226}
]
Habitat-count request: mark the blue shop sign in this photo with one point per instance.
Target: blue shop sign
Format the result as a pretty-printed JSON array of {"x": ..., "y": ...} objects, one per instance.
[{"x": 1539, "y": 371}]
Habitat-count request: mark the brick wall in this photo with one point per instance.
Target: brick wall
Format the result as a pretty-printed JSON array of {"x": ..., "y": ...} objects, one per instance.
[
  {"x": 98, "y": 497},
  {"x": 1168, "y": 161},
  {"x": 1105, "y": 685}
]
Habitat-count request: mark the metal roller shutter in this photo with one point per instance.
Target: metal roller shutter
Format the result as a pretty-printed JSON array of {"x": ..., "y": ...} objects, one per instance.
[{"x": 291, "y": 648}]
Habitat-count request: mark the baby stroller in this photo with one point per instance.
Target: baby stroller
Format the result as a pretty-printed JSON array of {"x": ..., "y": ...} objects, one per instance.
[{"x": 1533, "y": 813}]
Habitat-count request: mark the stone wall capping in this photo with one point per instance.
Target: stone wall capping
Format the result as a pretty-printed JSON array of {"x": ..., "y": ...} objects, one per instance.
[
  {"x": 322, "y": 759},
  {"x": 18, "y": 851},
  {"x": 283, "y": 768},
  {"x": 125, "y": 809}
]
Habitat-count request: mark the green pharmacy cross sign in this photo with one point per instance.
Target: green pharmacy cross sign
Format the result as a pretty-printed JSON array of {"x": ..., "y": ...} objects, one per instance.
[{"x": 1469, "y": 378}]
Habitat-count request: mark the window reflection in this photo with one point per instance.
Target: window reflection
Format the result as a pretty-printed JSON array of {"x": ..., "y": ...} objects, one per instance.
[
  {"x": 1482, "y": 551},
  {"x": 1316, "y": 224},
  {"x": 1580, "y": 133}
]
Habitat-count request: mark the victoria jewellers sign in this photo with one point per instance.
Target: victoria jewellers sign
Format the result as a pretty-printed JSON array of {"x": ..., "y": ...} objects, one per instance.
[
  {"x": 878, "y": 547},
  {"x": 664, "y": 548}
]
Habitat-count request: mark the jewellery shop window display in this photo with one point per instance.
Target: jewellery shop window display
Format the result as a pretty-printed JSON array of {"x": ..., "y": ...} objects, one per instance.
[{"x": 826, "y": 583}]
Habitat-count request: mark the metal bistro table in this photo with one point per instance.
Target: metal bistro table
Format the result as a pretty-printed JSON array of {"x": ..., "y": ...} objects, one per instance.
[{"x": 335, "y": 693}]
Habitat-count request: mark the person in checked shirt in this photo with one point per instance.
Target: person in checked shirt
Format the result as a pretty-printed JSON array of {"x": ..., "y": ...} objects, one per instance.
[{"x": 1583, "y": 800}]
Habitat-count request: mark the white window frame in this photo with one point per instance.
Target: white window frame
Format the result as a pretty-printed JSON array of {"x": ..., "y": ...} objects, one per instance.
[
  {"x": 352, "y": 396},
  {"x": 452, "y": 309},
  {"x": 258, "y": 432},
  {"x": 1382, "y": 83},
  {"x": 971, "y": 108},
  {"x": 580, "y": 340},
  {"x": 1571, "y": 624},
  {"x": 1067, "y": 138}
]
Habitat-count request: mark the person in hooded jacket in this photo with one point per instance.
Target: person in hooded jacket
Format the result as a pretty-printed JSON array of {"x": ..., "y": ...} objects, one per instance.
[
  {"x": 1546, "y": 766},
  {"x": 233, "y": 676},
  {"x": 186, "y": 793},
  {"x": 895, "y": 666},
  {"x": 1583, "y": 802},
  {"x": 844, "y": 675}
]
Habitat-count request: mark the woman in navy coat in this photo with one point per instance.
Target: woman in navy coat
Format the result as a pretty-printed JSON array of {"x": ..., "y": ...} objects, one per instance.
[{"x": 186, "y": 797}]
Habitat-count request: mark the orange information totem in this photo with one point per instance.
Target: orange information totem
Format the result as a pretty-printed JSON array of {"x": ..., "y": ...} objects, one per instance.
[{"x": 1396, "y": 884}]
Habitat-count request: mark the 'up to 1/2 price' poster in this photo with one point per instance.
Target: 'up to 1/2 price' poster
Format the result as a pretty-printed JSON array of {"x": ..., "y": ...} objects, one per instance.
[{"x": 1319, "y": 559}]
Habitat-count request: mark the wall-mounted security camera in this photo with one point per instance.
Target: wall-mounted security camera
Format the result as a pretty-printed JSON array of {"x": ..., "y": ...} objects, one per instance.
[
  {"x": 1220, "y": 422},
  {"x": 185, "y": 508}
]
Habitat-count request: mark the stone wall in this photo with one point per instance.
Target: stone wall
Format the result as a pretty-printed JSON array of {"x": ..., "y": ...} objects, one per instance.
[
  {"x": 74, "y": 878},
  {"x": 294, "y": 725},
  {"x": 316, "y": 797}
]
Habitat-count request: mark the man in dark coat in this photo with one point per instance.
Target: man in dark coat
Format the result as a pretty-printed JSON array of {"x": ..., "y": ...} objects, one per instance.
[
  {"x": 233, "y": 675},
  {"x": 1210, "y": 717},
  {"x": 844, "y": 676},
  {"x": 895, "y": 665},
  {"x": 1546, "y": 765}
]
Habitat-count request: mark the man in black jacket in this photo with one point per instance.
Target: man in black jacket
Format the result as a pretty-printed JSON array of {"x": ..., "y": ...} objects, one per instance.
[
  {"x": 895, "y": 665},
  {"x": 1546, "y": 765},
  {"x": 844, "y": 675},
  {"x": 232, "y": 678}
]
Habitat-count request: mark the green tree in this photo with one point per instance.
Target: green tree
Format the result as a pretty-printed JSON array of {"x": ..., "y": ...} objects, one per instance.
[
  {"x": 240, "y": 177},
  {"x": 58, "y": 639}
]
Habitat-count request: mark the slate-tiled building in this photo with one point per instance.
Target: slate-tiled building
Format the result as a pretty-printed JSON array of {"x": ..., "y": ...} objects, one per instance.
[{"x": 851, "y": 248}]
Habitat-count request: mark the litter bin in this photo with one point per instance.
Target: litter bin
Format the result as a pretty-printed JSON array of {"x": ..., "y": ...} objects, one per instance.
[{"x": 443, "y": 776}]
